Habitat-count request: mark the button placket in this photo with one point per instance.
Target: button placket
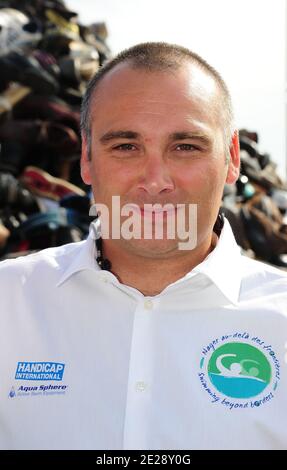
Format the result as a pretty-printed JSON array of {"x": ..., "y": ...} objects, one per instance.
[{"x": 139, "y": 391}]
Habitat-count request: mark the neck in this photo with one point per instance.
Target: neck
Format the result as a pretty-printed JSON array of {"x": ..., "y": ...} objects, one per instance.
[{"x": 151, "y": 275}]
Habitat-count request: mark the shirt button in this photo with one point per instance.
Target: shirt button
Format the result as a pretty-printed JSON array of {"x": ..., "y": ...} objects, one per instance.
[
  {"x": 141, "y": 386},
  {"x": 148, "y": 305}
]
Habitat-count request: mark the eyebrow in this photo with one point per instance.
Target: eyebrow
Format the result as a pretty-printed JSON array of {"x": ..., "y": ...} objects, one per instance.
[
  {"x": 121, "y": 134},
  {"x": 190, "y": 135},
  {"x": 118, "y": 135}
]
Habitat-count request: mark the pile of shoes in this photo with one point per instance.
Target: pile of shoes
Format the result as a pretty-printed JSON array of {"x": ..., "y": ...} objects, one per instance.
[
  {"x": 257, "y": 206},
  {"x": 46, "y": 59}
]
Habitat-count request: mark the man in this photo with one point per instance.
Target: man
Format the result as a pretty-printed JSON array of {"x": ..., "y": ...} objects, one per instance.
[{"x": 148, "y": 342}]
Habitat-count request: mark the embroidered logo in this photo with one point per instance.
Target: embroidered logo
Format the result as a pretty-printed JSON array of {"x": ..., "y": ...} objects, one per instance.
[{"x": 240, "y": 370}]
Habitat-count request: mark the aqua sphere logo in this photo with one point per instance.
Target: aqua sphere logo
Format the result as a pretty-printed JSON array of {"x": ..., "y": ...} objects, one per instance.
[{"x": 239, "y": 370}]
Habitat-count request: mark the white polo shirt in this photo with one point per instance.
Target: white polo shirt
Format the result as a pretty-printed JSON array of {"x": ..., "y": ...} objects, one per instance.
[{"x": 89, "y": 363}]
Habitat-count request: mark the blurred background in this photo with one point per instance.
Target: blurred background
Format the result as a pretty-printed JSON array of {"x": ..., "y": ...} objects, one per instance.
[{"x": 49, "y": 49}]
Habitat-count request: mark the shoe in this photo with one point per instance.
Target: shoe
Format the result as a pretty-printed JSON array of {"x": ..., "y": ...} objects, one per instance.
[
  {"x": 250, "y": 146},
  {"x": 27, "y": 71},
  {"x": 35, "y": 132},
  {"x": 15, "y": 196},
  {"x": 48, "y": 62},
  {"x": 263, "y": 223},
  {"x": 10, "y": 96},
  {"x": 81, "y": 204},
  {"x": 96, "y": 35},
  {"x": 76, "y": 69},
  {"x": 280, "y": 198},
  {"x": 78, "y": 208},
  {"x": 250, "y": 134},
  {"x": 61, "y": 25},
  {"x": 47, "y": 109},
  {"x": 41, "y": 231},
  {"x": 265, "y": 178},
  {"x": 12, "y": 157},
  {"x": 17, "y": 31},
  {"x": 59, "y": 33},
  {"x": 43, "y": 184},
  {"x": 71, "y": 95}
]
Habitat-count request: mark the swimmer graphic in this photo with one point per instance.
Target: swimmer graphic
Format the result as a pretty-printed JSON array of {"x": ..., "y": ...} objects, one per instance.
[{"x": 237, "y": 368}]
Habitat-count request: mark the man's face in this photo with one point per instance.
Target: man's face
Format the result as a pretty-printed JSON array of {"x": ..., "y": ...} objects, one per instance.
[{"x": 156, "y": 137}]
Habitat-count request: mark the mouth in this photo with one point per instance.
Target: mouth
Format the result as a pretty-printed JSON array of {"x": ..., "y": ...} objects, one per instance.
[
  {"x": 145, "y": 211},
  {"x": 148, "y": 210}
]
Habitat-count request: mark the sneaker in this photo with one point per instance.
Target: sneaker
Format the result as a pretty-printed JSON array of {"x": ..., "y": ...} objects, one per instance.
[
  {"x": 12, "y": 95},
  {"x": 26, "y": 70},
  {"x": 15, "y": 196},
  {"x": 43, "y": 184},
  {"x": 47, "y": 109},
  {"x": 35, "y": 132}
]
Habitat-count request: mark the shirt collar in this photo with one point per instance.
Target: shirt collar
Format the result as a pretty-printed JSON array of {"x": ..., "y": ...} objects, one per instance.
[
  {"x": 221, "y": 266},
  {"x": 85, "y": 258}
]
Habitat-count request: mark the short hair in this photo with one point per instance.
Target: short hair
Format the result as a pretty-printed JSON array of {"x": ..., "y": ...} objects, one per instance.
[{"x": 157, "y": 57}]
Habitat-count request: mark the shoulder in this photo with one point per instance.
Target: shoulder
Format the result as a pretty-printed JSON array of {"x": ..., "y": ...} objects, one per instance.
[
  {"x": 47, "y": 262},
  {"x": 261, "y": 279}
]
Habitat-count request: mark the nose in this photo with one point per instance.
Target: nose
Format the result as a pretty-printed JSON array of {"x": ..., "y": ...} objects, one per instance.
[{"x": 155, "y": 178}]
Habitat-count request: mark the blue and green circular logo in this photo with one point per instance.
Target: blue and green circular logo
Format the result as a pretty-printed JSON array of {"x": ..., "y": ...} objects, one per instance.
[{"x": 239, "y": 370}]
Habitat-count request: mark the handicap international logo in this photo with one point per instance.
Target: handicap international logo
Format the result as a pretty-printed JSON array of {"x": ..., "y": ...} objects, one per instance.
[
  {"x": 239, "y": 370},
  {"x": 38, "y": 372}
]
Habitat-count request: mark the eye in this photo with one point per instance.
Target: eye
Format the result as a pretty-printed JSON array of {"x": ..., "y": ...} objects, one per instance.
[
  {"x": 127, "y": 147},
  {"x": 186, "y": 147}
]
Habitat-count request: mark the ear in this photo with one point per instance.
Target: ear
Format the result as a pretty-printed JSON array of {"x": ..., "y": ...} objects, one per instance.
[
  {"x": 85, "y": 162},
  {"x": 234, "y": 161}
]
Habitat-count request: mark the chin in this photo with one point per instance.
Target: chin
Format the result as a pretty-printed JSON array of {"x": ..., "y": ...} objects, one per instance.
[{"x": 152, "y": 248}]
